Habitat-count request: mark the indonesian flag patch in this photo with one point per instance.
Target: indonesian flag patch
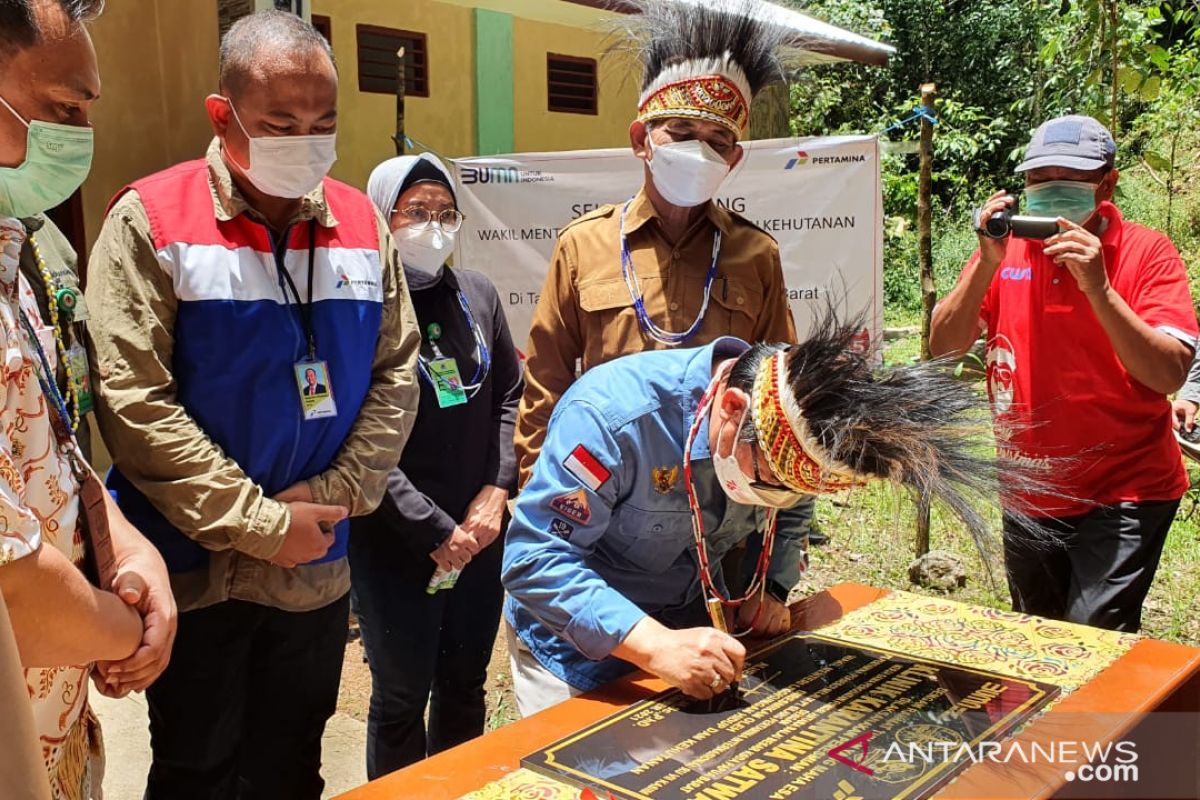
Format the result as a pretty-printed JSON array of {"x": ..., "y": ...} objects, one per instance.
[{"x": 584, "y": 466}]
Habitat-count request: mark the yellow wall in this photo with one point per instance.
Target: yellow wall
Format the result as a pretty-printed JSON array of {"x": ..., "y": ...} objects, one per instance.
[
  {"x": 559, "y": 12},
  {"x": 445, "y": 120},
  {"x": 539, "y": 129},
  {"x": 158, "y": 61}
]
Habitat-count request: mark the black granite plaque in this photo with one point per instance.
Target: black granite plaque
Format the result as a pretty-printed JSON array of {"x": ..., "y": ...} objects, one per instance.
[{"x": 814, "y": 717}]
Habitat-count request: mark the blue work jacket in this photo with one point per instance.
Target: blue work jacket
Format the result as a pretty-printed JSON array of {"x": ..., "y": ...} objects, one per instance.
[{"x": 601, "y": 535}]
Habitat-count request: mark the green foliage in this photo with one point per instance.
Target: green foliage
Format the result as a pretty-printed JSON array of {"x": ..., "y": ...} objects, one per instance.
[{"x": 1002, "y": 68}]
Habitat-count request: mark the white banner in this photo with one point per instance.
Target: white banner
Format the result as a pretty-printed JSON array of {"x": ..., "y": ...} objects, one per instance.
[{"x": 819, "y": 197}]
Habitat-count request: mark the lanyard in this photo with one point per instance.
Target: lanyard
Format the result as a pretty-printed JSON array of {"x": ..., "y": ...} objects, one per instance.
[
  {"x": 661, "y": 335},
  {"x": 759, "y": 583},
  {"x": 55, "y": 298},
  {"x": 305, "y": 309},
  {"x": 60, "y": 418},
  {"x": 483, "y": 357}
]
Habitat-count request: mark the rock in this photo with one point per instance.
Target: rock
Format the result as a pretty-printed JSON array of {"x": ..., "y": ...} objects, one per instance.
[
  {"x": 892, "y": 334},
  {"x": 939, "y": 569}
]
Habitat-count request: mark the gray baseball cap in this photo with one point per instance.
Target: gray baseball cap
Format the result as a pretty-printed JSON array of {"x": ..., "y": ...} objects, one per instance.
[{"x": 1074, "y": 142}]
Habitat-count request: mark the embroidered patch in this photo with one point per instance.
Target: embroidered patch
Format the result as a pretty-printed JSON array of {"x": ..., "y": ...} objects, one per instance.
[
  {"x": 573, "y": 506},
  {"x": 584, "y": 466},
  {"x": 665, "y": 478},
  {"x": 561, "y": 528}
]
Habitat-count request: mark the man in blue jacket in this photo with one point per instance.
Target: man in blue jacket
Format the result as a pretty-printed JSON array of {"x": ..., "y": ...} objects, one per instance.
[
  {"x": 656, "y": 464},
  {"x": 600, "y": 561}
]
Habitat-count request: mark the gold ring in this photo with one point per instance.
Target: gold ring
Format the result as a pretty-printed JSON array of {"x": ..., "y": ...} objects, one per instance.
[{"x": 716, "y": 682}]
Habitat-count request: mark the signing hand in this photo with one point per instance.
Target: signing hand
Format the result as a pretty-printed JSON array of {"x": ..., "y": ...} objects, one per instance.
[
  {"x": 773, "y": 620},
  {"x": 485, "y": 514},
  {"x": 693, "y": 659},
  {"x": 456, "y": 552},
  {"x": 1079, "y": 250}
]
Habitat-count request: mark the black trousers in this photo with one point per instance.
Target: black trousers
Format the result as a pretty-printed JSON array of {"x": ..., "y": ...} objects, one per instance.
[
  {"x": 1099, "y": 570},
  {"x": 422, "y": 649},
  {"x": 240, "y": 711}
]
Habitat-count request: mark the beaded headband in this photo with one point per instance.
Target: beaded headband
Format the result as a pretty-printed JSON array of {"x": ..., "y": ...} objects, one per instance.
[
  {"x": 715, "y": 98},
  {"x": 796, "y": 458}
]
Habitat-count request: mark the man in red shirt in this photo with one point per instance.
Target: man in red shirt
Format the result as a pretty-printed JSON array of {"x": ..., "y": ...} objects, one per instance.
[{"x": 1087, "y": 333}]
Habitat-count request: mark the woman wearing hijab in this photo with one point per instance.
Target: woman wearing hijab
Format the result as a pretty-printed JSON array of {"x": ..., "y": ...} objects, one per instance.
[{"x": 427, "y": 637}]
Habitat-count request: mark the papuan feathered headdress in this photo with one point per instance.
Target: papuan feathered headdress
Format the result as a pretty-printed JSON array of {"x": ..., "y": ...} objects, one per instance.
[
  {"x": 827, "y": 418},
  {"x": 705, "y": 60}
]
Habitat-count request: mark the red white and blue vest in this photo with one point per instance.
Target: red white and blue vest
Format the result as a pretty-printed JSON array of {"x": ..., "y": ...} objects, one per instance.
[{"x": 238, "y": 335}]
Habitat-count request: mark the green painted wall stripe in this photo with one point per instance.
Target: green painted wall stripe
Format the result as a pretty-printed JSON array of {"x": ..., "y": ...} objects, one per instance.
[{"x": 493, "y": 82}]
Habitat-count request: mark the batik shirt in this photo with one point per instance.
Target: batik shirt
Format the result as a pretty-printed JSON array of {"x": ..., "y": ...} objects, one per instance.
[{"x": 39, "y": 506}]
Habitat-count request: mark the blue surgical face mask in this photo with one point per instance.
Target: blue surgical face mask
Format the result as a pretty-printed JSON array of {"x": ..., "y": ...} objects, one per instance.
[
  {"x": 57, "y": 160},
  {"x": 1073, "y": 200}
]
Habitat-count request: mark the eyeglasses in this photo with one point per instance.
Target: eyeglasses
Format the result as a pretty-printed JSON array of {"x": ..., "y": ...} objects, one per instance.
[
  {"x": 449, "y": 219},
  {"x": 758, "y": 482}
]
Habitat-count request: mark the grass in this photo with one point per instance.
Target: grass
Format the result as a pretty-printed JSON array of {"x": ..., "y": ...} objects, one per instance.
[{"x": 872, "y": 541}]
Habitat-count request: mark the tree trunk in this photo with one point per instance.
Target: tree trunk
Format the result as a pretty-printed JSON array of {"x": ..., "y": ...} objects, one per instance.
[{"x": 770, "y": 113}]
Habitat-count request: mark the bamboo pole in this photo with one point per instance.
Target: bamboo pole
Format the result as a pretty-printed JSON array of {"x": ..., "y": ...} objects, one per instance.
[{"x": 925, "y": 256}]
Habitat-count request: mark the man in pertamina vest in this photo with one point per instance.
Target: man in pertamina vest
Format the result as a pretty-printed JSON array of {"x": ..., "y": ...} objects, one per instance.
[
  {"x": 211, "y": 286},
  {"x": 1087, "y": 334}
]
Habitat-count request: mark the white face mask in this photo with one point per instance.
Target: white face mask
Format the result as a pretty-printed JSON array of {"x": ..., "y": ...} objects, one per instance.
[
  {"x": 687, "y": 173},
  {"x": 287, "y": 166},
  {"x": 426, "y": 248},
  {"x": 737, "y": 484}
]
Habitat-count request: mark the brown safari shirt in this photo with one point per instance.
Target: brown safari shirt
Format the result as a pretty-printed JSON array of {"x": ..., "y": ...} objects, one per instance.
[{"x": 585, "y": 313}]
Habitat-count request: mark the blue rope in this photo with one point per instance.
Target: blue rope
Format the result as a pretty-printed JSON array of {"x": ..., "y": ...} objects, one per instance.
[{"x": 920, "y": 112}]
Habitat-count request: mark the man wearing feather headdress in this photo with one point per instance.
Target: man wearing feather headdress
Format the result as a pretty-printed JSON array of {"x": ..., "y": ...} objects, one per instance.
[
  {"x": 670, "y": 267},
  {"x": 606, "y": 574}
]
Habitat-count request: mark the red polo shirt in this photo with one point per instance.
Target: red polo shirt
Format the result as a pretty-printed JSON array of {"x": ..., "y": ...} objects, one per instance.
[{"x": 1060, "y": 394}]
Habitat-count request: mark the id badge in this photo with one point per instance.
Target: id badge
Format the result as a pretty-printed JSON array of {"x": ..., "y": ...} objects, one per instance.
[
  {"x": 316, "y": 392},
  {"x": 447, "y": 382},
  {"x": 81, "y": 377}
]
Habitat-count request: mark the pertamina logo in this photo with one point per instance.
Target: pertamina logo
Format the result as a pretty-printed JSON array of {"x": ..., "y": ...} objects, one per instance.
[
  {"x": 799, "y": 161},
  {"x": 345, "y": 280},
  {"x": 802, "y": 158}
]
